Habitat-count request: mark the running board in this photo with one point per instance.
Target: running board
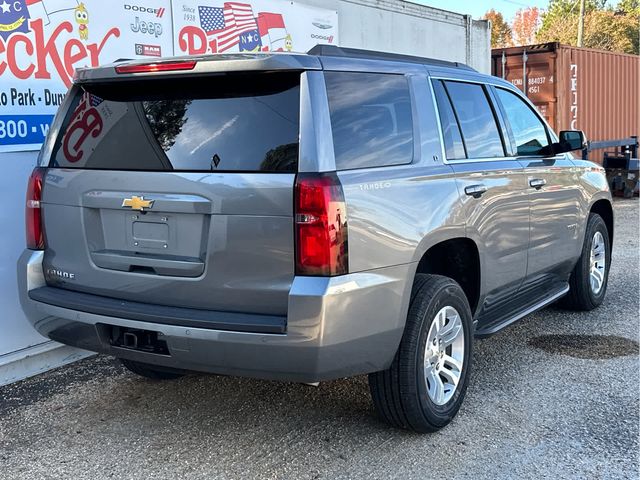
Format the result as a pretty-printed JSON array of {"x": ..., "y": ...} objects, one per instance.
[{"x": 496, "y": 327}]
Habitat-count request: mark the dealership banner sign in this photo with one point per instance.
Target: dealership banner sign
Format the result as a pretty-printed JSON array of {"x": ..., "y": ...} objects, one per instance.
[
  {"x": 255, "y": 26},
  {"x": 42, "y": 42}
]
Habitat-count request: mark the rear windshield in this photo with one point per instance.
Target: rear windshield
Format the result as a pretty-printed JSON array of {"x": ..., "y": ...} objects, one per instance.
[{"x": 217, "y": 123}]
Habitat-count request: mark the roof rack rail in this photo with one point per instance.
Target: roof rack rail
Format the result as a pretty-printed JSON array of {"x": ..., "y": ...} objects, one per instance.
[{"x": 335, "y": 51}]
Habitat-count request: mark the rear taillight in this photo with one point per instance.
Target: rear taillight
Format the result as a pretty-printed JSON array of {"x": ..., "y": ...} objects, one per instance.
[
  {"x": 33, "y": 215},
  {"x": 157, "y": 67},
  {"x": 321, "y": 226}
]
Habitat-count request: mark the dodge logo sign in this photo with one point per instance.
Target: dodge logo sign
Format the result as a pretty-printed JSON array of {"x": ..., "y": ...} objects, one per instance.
[{"x": 158, "y": 12}]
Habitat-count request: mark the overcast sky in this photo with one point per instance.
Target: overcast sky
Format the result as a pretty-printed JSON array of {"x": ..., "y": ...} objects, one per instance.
[{"x": 477, "y": 8}]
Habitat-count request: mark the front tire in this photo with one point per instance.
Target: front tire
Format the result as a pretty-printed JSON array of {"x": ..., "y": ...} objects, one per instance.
[
  {"x": 590, "y": 276},
  {"x": 425, "y": 385}
]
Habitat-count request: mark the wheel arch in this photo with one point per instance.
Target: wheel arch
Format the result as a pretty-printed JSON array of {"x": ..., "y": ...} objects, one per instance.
[
  {"x": 457, "y": 258},
  {"x": 604, "y": 208}
]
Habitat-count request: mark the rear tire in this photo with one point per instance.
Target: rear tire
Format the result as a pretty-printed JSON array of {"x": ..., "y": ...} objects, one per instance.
[
  {"x": 150, "y": 371},
  {"x": 417, "y": 391},
  {"x": 590, "y": 276}
]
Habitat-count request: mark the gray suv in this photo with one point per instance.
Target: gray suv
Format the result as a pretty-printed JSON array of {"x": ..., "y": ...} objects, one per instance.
[{"x": 308, "y": 217}]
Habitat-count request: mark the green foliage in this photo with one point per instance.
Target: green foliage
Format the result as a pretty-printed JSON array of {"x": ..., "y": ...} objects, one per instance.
[
  {"x": 615, "y": 29},
  {"x": 630, "y": 7},
  {"x": 166, "y": 119},
  {"x": 561, "y": 10}
]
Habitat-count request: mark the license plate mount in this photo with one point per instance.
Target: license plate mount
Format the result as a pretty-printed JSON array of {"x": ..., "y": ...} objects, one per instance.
[{"x": 147, "y": 341}]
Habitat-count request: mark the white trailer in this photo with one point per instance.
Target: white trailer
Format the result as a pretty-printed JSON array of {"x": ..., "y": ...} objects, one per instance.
[{"x": 385, "y": 25}]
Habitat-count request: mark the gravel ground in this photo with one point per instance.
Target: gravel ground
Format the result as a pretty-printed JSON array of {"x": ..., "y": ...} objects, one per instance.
[{"x": 550, "y": 407}]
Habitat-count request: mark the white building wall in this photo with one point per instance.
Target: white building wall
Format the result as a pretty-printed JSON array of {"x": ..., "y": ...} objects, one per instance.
[
  {"x": 403, "y": 27},
  {"x": 23, "y": 351},
  {"x": 16, "y": 332}
]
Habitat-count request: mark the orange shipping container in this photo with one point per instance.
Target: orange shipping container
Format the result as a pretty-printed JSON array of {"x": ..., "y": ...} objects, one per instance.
[{"x": 577, "y": 88}]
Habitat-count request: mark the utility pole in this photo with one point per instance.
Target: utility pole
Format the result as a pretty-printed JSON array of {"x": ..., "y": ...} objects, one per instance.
[{"x": 581, "y": 23}]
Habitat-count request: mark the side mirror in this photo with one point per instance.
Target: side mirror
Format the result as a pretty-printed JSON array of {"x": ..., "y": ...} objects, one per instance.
[{"x": 571, "y": 140}]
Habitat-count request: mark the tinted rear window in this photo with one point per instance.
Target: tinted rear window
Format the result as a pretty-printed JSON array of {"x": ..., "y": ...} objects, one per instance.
[
  {"x": 225, "y": 123},
  {"x": 477, "y": 121},
  {"x": 454, "y": 148},
  {"x": 370, "y": 119}
]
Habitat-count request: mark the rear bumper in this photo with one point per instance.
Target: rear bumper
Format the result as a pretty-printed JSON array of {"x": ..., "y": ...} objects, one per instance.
[
  {"x": 335, "y": 327},
  {"x": 178, "y": 316}
]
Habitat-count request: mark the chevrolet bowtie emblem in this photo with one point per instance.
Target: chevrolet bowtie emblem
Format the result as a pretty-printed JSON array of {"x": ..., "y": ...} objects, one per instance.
[{"x": 137, "y": 203}]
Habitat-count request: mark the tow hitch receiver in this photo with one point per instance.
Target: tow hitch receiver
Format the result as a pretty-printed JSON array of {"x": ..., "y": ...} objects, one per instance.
[{"x": 141, "y": 340}]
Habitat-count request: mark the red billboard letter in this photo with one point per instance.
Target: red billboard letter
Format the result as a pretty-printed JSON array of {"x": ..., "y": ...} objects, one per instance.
[{"x": 192, "y": 40}]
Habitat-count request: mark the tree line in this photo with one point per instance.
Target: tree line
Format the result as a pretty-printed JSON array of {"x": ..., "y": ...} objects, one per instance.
[{"x": 606, "y": 27}]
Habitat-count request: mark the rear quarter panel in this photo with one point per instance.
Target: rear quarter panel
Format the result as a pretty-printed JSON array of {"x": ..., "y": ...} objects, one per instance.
[
  {"x": 394, "y": 216},
  {"x": 396, "y": 213}
]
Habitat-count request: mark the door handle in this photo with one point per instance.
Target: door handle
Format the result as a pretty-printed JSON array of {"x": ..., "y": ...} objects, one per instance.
[
  {"x": 475, "y": 191},
  {"x": 537, "y": 183}
]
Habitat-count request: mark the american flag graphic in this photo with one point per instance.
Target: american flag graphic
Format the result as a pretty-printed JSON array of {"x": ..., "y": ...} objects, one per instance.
[
  {"x": 95, "y": 100},
  {"x": 211, "y": 19},
  {"x": 87, "y": 100},
  {"x": 238, "y": 19}
]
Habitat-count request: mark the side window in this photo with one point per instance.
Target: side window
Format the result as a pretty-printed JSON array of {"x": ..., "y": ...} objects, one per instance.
[
  {"x": 370, "y": 118},
  {"x": 476, "y": 118},
  {"x": 528, "y": 130},
  {"x": 454, "y": 148}
]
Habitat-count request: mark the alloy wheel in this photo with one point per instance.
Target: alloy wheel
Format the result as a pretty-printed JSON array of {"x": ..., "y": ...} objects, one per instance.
[
  {"x": 598, "y": 263},
  {"x": 444, "y": 355}
]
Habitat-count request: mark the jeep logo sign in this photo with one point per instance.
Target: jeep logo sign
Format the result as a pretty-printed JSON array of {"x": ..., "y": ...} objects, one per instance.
[{"x": 152, "y": 28}]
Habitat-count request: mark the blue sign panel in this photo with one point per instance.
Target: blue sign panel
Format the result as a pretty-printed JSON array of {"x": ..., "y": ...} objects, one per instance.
[{"x": 23, "y": 129}]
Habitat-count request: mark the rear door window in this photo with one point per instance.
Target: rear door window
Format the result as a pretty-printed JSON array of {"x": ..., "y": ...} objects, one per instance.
[
  {"x": 232, "y": 123},
  {"x": 371, "y": 119},
  {"x": 454, "y": 148},
  {"x": 477, "y": 120}
]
